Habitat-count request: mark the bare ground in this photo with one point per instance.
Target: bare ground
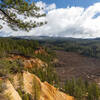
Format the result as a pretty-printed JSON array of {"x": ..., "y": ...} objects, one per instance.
[{"x": 73, "y": 65}]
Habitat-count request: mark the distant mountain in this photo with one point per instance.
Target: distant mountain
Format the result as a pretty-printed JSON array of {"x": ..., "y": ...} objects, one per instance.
[{"x": 52, "y": 38}]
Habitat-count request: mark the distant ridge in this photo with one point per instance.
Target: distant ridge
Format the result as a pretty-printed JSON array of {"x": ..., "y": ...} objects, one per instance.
[{"x": 51, "y": 37}]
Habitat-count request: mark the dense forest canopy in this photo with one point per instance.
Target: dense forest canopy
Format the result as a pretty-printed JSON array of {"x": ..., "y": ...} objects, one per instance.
[
  {"x": 86, "y": 47},
  {"x": 18, "y": 14}
]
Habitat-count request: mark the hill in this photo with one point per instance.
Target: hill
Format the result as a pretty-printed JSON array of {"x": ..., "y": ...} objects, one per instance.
[
  {"x": 23, "y": 60},
  {"x": 27, "y": 86}
]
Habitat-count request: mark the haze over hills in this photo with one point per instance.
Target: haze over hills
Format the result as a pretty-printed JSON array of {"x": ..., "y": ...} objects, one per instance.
[{"x": 52, "y": 37}]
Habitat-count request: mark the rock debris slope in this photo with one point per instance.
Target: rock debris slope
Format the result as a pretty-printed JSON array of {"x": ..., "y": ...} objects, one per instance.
[{"x": 32, "y": 85}]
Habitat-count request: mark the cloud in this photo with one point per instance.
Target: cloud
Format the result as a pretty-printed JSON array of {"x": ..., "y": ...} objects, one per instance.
[
  {"x": 44, "y": 7},
  {"x": 74, "y": 22}
]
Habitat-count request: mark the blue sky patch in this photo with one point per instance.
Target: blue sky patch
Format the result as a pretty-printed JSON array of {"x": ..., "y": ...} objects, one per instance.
[{"x": 65, "y": 3}]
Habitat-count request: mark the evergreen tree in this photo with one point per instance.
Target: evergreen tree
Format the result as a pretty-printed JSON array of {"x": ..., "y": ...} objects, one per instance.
[{"x": 12, "y": 10}]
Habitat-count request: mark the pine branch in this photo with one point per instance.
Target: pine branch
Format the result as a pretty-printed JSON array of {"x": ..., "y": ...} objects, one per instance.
[{"x": 5, "y": 14}]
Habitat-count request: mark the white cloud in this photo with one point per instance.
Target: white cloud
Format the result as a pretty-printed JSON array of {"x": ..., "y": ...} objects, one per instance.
[
  {"x": 69, "y": 22},
  {"x": 44, "y": 7}
]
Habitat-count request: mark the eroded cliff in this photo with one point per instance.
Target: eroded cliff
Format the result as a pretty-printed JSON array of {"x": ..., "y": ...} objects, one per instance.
[{"x": 29, "y": 86}]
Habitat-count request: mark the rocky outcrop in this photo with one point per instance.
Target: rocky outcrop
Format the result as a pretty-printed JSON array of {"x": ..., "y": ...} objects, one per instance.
[
  {"x": 40, "y": 50},
  {"x": 10, "y": 92},
  {"x": 33, "y": 86},
  {"x": 34, "y": 63},
  {"x": 28, "y": 62},
  {"x": 45, "y": 90}
]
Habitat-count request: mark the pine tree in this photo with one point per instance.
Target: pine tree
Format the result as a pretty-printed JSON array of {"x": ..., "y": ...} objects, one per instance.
[
  {"x": 36, "y": 86},
  {"x": 10, "y": 10}
]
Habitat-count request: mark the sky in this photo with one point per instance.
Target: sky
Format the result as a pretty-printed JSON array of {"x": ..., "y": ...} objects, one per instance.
[
  {"x": 65, "y": 3},
  {"x": 66, "y": 18}
]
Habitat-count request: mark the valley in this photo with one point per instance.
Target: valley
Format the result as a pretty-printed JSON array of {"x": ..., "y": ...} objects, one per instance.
[
  {"x": 49, "y": 69},
  {"x": 49, "y": 50},
  {"x": 73, "y": 65}
]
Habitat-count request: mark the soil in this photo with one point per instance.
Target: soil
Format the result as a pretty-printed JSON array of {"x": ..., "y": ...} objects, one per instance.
[{"x": 72, "y": 65}]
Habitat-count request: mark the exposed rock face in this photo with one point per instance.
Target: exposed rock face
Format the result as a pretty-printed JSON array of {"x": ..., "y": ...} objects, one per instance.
[
  {"x": 16, "y": 80},
  {"x": 37, "y": 89},
  {"x": 51, "y": 93},
  {"x": 40, "y": 51},
  {"x": 34, "y": 63},
  {"x": 28, "y": 62},
  {"x": 10, "y": 92},
  {"x": 47, "y": 91}
]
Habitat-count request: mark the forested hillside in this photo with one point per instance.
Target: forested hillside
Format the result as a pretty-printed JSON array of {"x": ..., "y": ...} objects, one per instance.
[
  {"x": 17, "y": 46},
  {"x": 86, "y": 47},
  {"x": 15, "y": 55},
  {"x": 20, "y": 56}
]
